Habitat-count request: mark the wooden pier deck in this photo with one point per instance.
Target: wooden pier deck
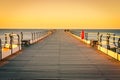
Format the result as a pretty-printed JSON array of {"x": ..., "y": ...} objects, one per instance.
[{"x": 60, "y": 57}]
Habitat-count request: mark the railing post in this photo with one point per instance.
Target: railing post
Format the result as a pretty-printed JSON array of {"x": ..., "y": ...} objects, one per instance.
[
  {"x": 37, "y": 36},
  {"x": 0, "y": 49},
  {"x": 21, "y": 36},
  {"x": 11, "y": 42},
  {"x": 107, "y": 41},
  {"x": 19, "y": 42},
  {"x": 86, "y": 36},
  {"x": 101, "y": 39},
  {"x": 34, "y": 36},
  {"x": 98, "y": 34},
  {"x": 114, "y": 39},
  {"x": 5, "y": 38},
  {"x": 119, "y": 45}
]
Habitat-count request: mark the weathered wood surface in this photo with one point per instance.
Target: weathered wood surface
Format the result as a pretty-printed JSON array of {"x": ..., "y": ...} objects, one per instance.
[{"x": 60, "y": 57}]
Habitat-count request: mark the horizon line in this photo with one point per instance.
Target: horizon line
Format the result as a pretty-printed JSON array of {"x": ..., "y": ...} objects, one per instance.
[{"x": 59, "y": 28}]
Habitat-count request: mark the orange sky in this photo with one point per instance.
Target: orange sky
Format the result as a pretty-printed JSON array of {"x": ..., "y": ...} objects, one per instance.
[{"x": 60, "y": 14}]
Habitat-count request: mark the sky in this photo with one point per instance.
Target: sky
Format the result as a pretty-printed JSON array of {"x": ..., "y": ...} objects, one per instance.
[{"x": 77, "y": 14}]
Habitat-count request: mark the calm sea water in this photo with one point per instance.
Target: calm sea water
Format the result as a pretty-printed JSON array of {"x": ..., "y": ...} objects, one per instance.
[
  {"x": 94, "y": 36},
  {"x": 95, "y": 31},
  {"x": 26, "y": 32},
  {"x": 75, "y": 31},
  {"x": 116, "y": 31},
  {"x": 2, "y": 31}
]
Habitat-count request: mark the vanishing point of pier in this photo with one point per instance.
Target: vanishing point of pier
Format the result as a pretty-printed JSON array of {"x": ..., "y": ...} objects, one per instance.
[{"x": 60, "y": 57}]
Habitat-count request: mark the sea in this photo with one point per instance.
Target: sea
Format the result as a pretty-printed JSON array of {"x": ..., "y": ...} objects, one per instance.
[
  {"x": 92, "y": 35},
  {"x": 77, "y": 31},
  {"x": 27, "y": 33}
]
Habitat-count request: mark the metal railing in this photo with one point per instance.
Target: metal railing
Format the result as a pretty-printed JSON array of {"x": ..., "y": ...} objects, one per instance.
[{"x": 107, "y": 40}]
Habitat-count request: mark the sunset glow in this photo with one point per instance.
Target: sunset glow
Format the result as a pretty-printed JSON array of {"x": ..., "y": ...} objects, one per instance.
[{"x": 60, "y": 14}]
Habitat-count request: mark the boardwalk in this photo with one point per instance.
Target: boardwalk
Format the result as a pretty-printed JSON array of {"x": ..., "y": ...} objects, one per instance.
[{"x": 60, "y": 57}]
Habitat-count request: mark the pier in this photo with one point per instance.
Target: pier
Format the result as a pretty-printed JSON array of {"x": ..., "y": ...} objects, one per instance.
[{"x": 60, "y": 56}]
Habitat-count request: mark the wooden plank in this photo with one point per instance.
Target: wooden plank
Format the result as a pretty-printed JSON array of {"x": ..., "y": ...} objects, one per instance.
[{"x": 60, "y": 56}]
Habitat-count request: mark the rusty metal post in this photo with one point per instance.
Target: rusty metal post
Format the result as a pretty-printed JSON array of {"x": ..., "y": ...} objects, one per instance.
[
  {"x": 100, "y": 41},
  {"x": 114, "y": 39},
  {"x": 98, "y": 34},
  {"x": 5, "y": 38},
  {"x": 0, "y": 49},
  {"x": 86, "y": 36},
  {"x": 19, "y": 42},
  {"x": 118, "y": 46},
  {"x": 108, "y": 41},
  {"x": 11, "y": 42},
  {"x": 34, "y": 36},
  {"x": 37, "y": 36},
  {"x": 119, "y": 43},
  {"x": 21, "y": 36}
]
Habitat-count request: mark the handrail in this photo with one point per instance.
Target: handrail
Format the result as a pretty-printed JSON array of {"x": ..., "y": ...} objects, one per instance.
[
  {"x": 13, "y": 42},
  {"x": 0, "y": 46},
  {"x": 104, "y": 39}
]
